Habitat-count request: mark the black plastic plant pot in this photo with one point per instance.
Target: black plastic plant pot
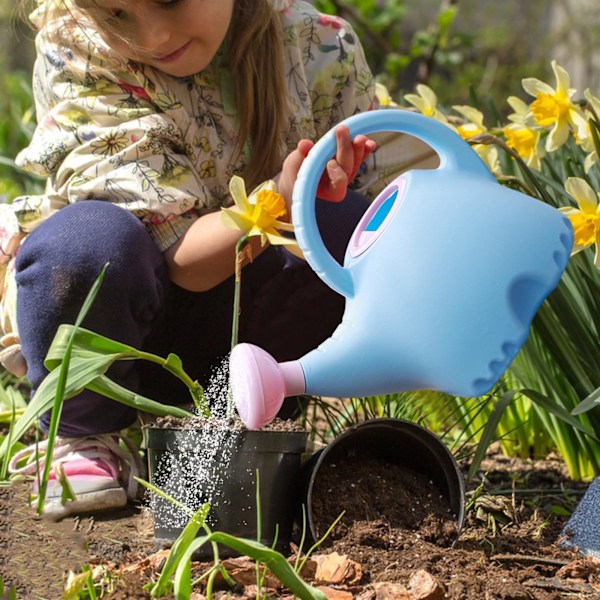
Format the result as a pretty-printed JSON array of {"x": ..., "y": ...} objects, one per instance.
[
  {"x": 219, "y": 467},
  {"x": 393, "y": 441}
]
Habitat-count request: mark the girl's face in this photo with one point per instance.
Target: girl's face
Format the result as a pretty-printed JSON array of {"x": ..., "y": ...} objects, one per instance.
[{"x": 178, "y": 37}]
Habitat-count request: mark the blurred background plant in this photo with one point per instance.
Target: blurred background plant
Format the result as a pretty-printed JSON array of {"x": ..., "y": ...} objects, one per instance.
[
  {"x": 472, "y": 55},
  {"x": 459, "y": 47}
]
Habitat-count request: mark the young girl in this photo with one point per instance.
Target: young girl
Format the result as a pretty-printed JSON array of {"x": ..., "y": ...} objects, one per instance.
[{"x": 146, "y": 108}]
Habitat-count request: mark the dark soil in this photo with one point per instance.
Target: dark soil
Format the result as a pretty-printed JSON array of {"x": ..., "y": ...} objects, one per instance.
[
  {"x": 385, "y": 506},
  {"x": 233, "y": 423},
  {"x": 507, "y": 548}
]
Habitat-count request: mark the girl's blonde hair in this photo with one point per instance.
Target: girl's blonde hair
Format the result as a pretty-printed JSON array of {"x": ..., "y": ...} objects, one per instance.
[{"x": 255, "y": 61}]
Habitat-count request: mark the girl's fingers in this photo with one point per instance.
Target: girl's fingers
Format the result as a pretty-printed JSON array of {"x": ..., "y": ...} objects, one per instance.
[
  {"x": 345, "y": 149},
  {"x": 304, "y": 147}
]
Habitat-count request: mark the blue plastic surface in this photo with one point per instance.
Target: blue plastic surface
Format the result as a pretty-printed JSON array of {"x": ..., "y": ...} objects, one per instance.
[{"x": 444, "y": 296}]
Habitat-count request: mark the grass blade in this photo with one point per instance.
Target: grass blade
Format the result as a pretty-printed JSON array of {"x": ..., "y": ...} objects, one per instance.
[
  {"x": 61, "y": 387},
  {"x": 487, "y": 436}
]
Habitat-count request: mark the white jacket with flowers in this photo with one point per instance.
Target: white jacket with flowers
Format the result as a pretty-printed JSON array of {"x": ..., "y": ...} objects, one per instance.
[{"x": 162, "y": 147}]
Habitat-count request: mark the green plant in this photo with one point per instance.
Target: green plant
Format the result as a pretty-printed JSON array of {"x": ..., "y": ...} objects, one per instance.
[
  {"x": 78, "y": 359},
  {"x": 549, "y": 149},
  {"x": 17, "y": 123},
  {"x": 178, "y": 564},
  {"x": 326, "y": 419},
  {"x": 8, "y": 594},
  {"x": 395, "y": 53}
]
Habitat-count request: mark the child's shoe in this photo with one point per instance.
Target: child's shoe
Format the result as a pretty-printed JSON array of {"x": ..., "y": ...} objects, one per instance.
[{"x": 97, "y": 469}]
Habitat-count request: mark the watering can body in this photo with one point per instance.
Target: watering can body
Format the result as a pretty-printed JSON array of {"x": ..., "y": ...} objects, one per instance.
[
  {"x": 442, "y": 276},
  {"x": 444, "y": 288}
]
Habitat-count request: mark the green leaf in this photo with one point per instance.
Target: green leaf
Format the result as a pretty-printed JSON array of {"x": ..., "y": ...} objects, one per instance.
[
  {"x": 85, "y": 343},
  {"x": 80, "y": 373},
  {"x": 180, "y": 551},
  {"x": 587, "y": 403},
  {"x": 61, "y": 388},
  {"x": 557, "y": 411},
  {"x": 174, "y": 362},
  {"x": 103, "y": 385},
  {"x": 275, "y": 561},
  {"x": 595, "y": 131},
  {"x": 487, "y": 437}
]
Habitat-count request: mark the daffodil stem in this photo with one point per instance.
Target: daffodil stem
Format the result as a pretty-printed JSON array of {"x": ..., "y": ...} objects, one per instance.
[
  {"x": 235, "y": 323},
  {"x": 239, "y": 260}
]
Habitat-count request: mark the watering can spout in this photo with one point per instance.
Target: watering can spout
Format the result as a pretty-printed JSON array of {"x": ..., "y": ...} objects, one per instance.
[{"x": 259, "y": 383}]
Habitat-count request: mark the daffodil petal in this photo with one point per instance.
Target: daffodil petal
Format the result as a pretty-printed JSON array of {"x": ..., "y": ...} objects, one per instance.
[
  {"x": 589, "y": 162},
  {"x": 595, "y": 102},
  {"x": 383, "y": 95},
  {"x": 428, "y": 94},
  {"x": 265, "y": 185},
  {"x": 519, "y": 106},
  {"x": 563, "y": 81},
  {"x": 568, "y": 210},
  {"x": 283, "y": 226},
  {"x": 237, "y": 189},
  {"x": 416, "y": 101},
  {"x": 584, "y": 195},
  {"x": 579, "y": 122},
  {"x": 235, "y": 220},
  {"x": 534, "y": 87},
  {"x": 277, "y": 239},
  {"x": 558, "y": 136},
  {"x": 472, "y": 114}
]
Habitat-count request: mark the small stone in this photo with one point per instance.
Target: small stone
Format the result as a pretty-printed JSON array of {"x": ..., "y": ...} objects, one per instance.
[
  {"x": 385, "y": 591},
  {"x": 424, "y": 586}
]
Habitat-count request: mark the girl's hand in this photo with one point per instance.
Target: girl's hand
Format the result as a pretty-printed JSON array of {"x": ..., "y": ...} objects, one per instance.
[{"x": 339, "y": 171}]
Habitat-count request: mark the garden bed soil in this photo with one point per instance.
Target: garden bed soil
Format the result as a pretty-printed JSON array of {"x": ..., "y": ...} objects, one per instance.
[{"x": 507, "y": 548}]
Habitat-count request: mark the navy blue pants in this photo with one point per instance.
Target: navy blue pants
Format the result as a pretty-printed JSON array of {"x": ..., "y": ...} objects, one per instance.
[{"x": 285, "y": 307}]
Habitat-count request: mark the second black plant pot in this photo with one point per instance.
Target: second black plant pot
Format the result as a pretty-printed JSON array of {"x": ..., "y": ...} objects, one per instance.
[
  {"x": 219, "y": 467},
  {"x": 392, "y": 441}
]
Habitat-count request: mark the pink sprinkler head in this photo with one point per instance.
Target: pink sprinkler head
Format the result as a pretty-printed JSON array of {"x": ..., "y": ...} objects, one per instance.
[{"x": 259, "y": 383}]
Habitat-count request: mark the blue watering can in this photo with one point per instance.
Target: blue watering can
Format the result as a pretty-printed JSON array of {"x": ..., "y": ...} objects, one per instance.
[{"x": 442, "y": 278}]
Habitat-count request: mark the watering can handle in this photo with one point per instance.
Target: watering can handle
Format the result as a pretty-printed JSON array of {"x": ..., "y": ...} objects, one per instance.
[{"x": 453, "y": 151}]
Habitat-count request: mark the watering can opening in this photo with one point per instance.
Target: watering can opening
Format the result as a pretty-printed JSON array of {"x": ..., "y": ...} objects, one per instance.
[{"x": 259, "y": 384}]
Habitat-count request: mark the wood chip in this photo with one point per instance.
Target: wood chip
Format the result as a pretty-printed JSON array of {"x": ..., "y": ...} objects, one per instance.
[
  {"x": 337, "y": 569},
  {"x": 333, "y": 594}
]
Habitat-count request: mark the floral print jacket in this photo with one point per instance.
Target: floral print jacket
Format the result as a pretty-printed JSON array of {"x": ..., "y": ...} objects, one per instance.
[{"x": 162, "y": 147}]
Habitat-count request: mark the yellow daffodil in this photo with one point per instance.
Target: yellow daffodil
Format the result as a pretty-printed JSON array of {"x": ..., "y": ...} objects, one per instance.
[
  {"x": 553, "y": 108},
  {"x": 525, "y": 142},
  {"x": 255, "y": 215},
  {"x": 473, "y": 126},
  {"x": 425, "y": 100},
  {"x": 521, "y": 134},
  {"x": 384, "y": 97},
  {"x": 489, "y": 155},
  {"x": 259, "y": 213},
  {"x": 586, "y": 218},
  {"x": 522, "y": 114}
]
